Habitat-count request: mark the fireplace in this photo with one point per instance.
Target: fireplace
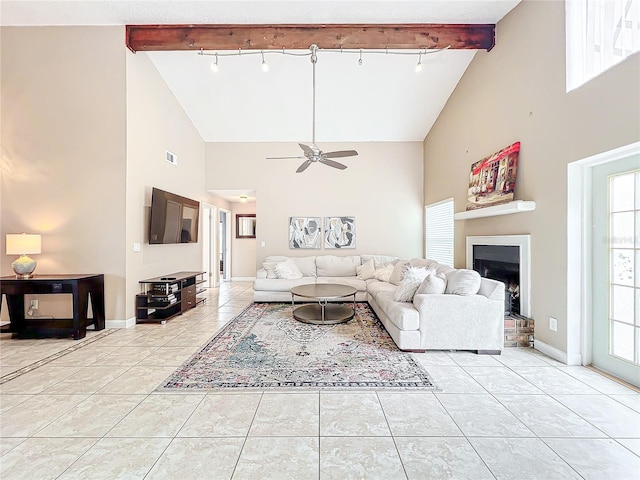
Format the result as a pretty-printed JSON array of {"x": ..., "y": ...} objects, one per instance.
[{"x": 507, "y": 259}]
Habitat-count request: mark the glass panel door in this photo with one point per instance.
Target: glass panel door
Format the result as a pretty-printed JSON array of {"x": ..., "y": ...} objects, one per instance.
[{"x": 616, "y": 268}]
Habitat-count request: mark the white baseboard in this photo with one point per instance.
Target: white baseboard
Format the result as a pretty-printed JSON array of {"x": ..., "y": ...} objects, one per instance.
[
  {"x": 120, "y": 323},
  {"x": 564, "y": 357},
  {"x": 243, "y": 279}
]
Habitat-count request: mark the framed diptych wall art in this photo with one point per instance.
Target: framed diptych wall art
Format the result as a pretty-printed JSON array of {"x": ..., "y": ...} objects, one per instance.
[
  {"x": 305, "y": 232},
  {"x": 339, "y": 232}
]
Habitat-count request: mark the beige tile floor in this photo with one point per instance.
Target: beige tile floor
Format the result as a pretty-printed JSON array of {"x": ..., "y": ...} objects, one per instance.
[{"x": 93, "y": 414}]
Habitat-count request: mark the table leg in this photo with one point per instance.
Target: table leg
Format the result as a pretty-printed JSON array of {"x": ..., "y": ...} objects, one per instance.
[
  {"x": 80, "y": 310},
  {"x": 15, "y": 307},
  {"x": 323, "y": 303},
  {"x": 97, "y": 303}
]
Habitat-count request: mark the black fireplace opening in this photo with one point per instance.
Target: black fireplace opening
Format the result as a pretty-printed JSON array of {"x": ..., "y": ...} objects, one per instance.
[{"x": 501, "y": 263}]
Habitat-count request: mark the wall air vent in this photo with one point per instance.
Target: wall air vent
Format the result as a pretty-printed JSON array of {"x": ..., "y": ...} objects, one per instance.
[{"x": 172, "y": 158}]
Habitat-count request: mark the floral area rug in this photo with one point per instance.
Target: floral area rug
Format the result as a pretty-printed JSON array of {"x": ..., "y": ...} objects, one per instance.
[{"x": 266, "y": 348}]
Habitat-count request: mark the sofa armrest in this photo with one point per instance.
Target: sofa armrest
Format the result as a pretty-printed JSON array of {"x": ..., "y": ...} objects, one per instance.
[
  {"x": 261, "y": 273},
  {"x": 472, "y": 322}
]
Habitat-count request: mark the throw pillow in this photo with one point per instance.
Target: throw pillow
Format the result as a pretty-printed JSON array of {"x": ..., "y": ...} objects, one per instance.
[
  {"x": 270, "y": 268},
  {"x": 412, "y": 280},
  {"x": 434, "y": 284},
  {"x": 398, "y": 273},
  {"x": 463, "y": 282},
  {"x": 383, "y": 273},
  {"x": 288, "y": 270},
  {"x": 367, "y": 270}
]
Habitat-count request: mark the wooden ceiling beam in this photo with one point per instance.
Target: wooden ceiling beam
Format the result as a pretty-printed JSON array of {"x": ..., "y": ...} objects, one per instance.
[{"x": 289, "y": 37}]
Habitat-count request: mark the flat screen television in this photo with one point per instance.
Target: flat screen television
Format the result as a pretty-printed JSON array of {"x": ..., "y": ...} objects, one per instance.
[{"x": 173, "y": 219}]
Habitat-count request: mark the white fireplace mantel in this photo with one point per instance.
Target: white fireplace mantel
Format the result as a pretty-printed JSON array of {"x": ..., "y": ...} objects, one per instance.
[{"x": 516, "y": 206}]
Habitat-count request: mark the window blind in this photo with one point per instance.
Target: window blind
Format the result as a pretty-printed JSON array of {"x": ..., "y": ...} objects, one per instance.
[{"x": 439, "y": 231}]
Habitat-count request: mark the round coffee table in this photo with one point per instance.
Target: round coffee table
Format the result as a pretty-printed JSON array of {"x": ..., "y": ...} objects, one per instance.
[{"x": 323, "y": 312}]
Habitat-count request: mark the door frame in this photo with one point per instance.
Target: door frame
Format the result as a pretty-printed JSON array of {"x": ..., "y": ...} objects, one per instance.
[
  {"x": 579, "y": 247},
  {"x": 226, "y": 246},
  {"x": 209, "y": 244}
]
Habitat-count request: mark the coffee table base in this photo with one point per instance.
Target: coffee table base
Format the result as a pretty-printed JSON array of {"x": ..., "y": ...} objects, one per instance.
[{"x": 319, "y": 314}]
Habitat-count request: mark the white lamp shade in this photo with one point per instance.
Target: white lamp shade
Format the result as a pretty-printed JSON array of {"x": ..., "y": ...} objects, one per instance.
[{"x": 23, "y": 243}]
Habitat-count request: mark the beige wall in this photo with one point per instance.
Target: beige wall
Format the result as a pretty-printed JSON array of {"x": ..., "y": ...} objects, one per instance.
[
  {"x": 517, "y": 92},
  {"x": 85, "y": 126},
  {"x": 64, "y": 152},
  {"x": 243, "y": 250},
  {"x": 382, "y": 188},
  {"x": 155, "y": 123}
]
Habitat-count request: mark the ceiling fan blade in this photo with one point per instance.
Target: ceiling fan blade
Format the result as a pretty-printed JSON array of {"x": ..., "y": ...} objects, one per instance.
[
  {"x": 331, "y": 163},
  {"x": 304, "y": 166},
  {"x": 280, "y": 158},
  {"x": 340, "y": 153},
  {"x": 306, "y": 148}
]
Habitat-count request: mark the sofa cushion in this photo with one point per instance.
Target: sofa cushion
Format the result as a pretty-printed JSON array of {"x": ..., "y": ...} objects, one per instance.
[
  {"x": 410, "y": 283},
  {"x": 367, "y": 270},
  {"x": 333, "y": 266},
  {"x": 307, "y": 265},
  {"x": 462, "y": 282},
  {"x": 384, "y": 272},
  {"x": 440, "y": 268},
  {"x": 423, "y": 262},
  {"x": 279, "y": 284},
  {"x": 355, "y": 282},
  {"x": 288, "y": 270},
  {"x": 402, "y": 314},
  {"x": 270, "y": 268},
  {"x": 492, "y": 289},
  {"x": 374, "y": 287},
  {"x": 379, "y": 260},
  {"x": 399, "y": 269},
  {"x": 433, "y": 284}
]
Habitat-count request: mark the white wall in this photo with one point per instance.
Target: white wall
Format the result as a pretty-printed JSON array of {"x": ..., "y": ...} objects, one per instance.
[
  {"x": 517, "y": 92},
  {"x": 382, "y": 188}
]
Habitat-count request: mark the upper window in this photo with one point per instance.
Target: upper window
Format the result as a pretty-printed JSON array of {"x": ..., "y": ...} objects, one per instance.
[{"x": 600, "y": 33}]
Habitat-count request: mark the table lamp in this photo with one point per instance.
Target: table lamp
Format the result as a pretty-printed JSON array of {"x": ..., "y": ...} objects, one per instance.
[{"x": 23, "y": 244}]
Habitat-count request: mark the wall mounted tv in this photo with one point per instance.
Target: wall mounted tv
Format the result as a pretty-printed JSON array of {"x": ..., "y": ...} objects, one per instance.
[{"x": 174, "y": 219}]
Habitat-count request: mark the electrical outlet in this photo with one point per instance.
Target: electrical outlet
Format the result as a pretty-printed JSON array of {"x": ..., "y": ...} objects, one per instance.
[
  {"x": 34, "y": 304},
  {"x": 553, "y": 324}
]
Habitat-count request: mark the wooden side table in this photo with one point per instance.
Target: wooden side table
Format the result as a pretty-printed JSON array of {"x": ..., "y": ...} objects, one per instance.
[{"x": 81, "y": 287}]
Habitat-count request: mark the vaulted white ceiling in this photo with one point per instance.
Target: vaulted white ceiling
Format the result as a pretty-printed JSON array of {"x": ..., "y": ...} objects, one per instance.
[{"x": 383, "y": 99}]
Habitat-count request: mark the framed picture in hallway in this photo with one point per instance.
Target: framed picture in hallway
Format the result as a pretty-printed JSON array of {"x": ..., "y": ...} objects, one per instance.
[
  {"x": 305, "y": 232},
  {"x": 492, "y": 180},
  {"x": 340, "y": 232}
]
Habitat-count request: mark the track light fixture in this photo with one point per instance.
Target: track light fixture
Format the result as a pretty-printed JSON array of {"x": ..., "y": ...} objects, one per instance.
[
  {"x": 294, "y": 53},
  {"x": 419, "y": 64},
  {"x": 214, "y": 64}
]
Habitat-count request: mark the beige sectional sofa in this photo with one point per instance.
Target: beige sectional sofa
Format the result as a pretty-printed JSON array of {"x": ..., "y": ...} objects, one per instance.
[{"x": 449, "y": 310}]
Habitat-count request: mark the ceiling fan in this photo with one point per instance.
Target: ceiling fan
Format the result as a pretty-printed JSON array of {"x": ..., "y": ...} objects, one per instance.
[{"x": 312, "y": 153}]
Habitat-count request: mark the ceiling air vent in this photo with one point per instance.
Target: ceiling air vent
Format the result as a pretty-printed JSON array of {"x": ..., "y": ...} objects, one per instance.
[{"x": 172, "y": 158}]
